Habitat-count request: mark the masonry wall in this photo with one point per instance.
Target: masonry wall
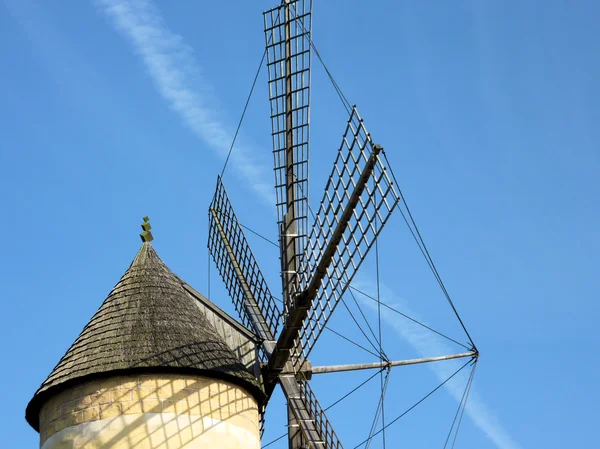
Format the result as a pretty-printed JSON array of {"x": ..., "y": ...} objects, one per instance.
[{"x": 151, "y": 412}]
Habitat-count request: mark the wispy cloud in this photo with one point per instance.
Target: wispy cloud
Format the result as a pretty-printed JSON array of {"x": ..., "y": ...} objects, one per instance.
[
  {"x": 177, "y": 77},
  {"x": 427, "y": 344}
]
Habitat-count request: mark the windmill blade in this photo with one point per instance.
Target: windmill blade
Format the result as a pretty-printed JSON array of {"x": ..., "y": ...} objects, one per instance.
[
  {"x": 358, "y": 201},
  {"x": 238, "y": 268},
  {"x": 329, "y": 438},
  {"x": 310, "y": 416},
  {"x": 288, "y": 46},
  {"x": 255, "y": 304}
]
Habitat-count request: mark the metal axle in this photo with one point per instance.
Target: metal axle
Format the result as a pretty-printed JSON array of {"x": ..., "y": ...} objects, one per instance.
[{"x": 388, "y": 364}]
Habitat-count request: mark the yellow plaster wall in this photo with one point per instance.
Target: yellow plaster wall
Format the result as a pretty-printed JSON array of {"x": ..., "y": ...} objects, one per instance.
[{"x": 151, "y": 412}]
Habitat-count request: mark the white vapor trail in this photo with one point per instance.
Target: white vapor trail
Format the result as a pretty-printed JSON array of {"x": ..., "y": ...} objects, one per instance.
[
  {"x": 171, "y": 66},
  {"x": 175, "y": 73},
  {"x": 426, "y": 344}
]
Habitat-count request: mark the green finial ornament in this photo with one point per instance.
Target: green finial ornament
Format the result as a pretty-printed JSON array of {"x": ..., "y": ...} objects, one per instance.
[{"x": 146, "y": 235}]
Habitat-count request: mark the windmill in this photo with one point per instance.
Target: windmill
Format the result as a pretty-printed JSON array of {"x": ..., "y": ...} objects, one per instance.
[{"x": 318, "y": 260}]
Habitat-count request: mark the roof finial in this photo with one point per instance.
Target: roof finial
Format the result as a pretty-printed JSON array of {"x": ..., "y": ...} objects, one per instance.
[{"x": 146, "y": 235}]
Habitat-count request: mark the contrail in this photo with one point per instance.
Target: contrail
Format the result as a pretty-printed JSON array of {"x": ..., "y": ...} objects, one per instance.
[
  {"x": 427, "y": 344},
  {"x": 176, "y": 75},
  {"x": 171, "y": 65}
]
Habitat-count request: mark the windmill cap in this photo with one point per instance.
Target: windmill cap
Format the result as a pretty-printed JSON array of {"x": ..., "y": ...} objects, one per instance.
[{"x": 149, "y": 323}]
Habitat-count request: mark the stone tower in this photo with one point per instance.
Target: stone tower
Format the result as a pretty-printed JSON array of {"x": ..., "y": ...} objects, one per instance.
[{"x": 158, "y": 366}]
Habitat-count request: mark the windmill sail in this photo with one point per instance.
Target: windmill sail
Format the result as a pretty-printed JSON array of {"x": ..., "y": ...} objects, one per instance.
[
  {"x": 238, "y": 268},
  {"x": 288, "y": 45},
  {"x": 254, "y": 303},
  {"x": 329, "y": 437},
  {"x": 358, "y": 200}
]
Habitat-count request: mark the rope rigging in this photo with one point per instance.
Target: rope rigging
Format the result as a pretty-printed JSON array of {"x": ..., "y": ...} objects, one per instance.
[
  {"x": 465, "y": 405},
  {"x": 387, "y": 306},
  {"x": 413, "y": 406},
  {"x": 368, "y": 324},
  {"x": 353, "y": 342},
  {"x": 260, "y": 65},
  {"x": 377, "y": 344},
  {"x": 461, "y": 408},
  {"x": 383, "y": 384},
  {"x": 414, "y": 229},
  {"x": 379, "y": 412},
  {"x": 415, "y": 233},
  {"x": 379, "y": 349},
  {"x": 262, "y": 60}
]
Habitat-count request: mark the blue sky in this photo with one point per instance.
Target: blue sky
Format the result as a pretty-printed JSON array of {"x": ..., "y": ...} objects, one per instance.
[{"x": 488, "y": 112}]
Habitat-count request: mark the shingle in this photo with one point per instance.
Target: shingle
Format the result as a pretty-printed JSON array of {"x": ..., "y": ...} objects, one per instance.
[{"x": 148, "y": 323}]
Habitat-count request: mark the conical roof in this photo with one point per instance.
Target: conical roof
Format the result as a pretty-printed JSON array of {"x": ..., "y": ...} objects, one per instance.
[{"x": 148, "y": 323}]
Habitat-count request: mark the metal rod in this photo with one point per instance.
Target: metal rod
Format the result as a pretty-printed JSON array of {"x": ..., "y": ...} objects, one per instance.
[
  {"x": 289, "y": 232},
  {"x": 288, "y": 237},
  {"x": 389, "y": 364}
]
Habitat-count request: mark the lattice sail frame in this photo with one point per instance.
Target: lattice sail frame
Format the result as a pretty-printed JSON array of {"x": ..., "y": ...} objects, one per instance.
[
  {"x": 223, "y": 211},
  {"x": 287, "y": 35},
  {"x": 326, "y": 430},
  {"x": 372, "y": 211}
]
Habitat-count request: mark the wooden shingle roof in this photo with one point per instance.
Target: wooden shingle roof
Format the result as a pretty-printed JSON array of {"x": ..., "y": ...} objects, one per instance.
[{"x": 148, "y": 323}]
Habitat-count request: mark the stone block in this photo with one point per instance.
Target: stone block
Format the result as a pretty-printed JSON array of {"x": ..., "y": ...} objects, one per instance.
[
  {"x": 164, "y": 392},
  {"x": 171, "y": 406},
  {"x": 110, "y": 410},
  {"x": 60, "y": 424},
  {"x": 91, "y": 414},
  {"x": 101, "y": 398},
  {"x": 54, "y": 415},
  {"x": 65, "y": 409},
  {"x": 152, "y": 406},
  {"x": 205, "y": 394},
  {"x": 87, "y": 400},
  {"x": 193, "y": 409},
  {"x": 184, "y": 393},
  {"x": 77, "y": 418},
  {"x": 80, "y": 404},
  {"x": 210, "y": 408},
  {"x": 121, "y": 395},
  {"x": 185, "y": 435},
  {"x": 143, "y": 394},
  {"x": 132, "y": 407}
]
